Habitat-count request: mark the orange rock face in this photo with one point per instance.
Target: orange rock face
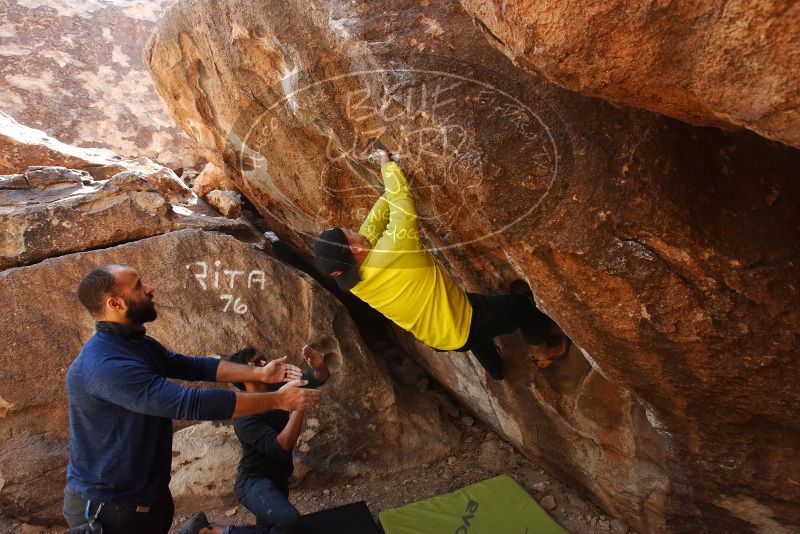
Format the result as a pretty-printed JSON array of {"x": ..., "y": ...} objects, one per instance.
[
  {"x": 667, "y": 252},
  {"x": 74, "y": 70},
  {"x": 729, "y": 64}
]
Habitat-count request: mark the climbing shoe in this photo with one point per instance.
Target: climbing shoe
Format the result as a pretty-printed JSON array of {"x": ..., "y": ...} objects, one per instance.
[
  {"x": 195, "y": 524},
  {"x": 558, "y": 349}
]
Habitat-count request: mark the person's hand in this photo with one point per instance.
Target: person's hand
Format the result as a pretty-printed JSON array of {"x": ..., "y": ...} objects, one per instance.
[
  {"x": 313, "y": 357},
  {"x": 383, "y": 157},
  {"x": 278, "y": 371},
  {"x": 379, "y": 157},
  {"x": 293, "y": 397}
]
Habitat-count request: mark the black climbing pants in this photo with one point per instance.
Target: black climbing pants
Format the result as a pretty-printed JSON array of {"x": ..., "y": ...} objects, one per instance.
[{"x": 503, "y": 313}]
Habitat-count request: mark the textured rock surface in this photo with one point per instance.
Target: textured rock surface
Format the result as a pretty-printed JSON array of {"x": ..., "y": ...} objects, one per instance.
[
  {"x": 732, "y": 64},
  {"x": 49, "y": 211},
  {"x": 667, "y": 252},
  {"x": 165, "y": 182},
  {"x": 228, "y": 203},
  {"x": 22, "y": 147},
  {"x": 74, "y": 70},
  {"x": 204, "y": 461},
  {"x": 211, "y": 178},
  {"x": 215, "y": 294}
]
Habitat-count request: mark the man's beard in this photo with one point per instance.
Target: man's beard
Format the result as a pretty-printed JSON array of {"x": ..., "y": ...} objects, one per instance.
[{"x": 141, "y": 312}]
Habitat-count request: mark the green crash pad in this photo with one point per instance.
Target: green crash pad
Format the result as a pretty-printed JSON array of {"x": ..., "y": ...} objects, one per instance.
[{"x": 494, "y": 506}]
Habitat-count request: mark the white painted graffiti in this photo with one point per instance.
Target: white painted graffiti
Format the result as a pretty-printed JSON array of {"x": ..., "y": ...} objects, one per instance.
[
  {"x": 217, "y": 277},
  {"x": 238, "y": 306}
]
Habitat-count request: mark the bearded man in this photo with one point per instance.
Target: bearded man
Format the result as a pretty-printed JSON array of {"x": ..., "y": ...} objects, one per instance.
[{"x": 121, "y": 406}]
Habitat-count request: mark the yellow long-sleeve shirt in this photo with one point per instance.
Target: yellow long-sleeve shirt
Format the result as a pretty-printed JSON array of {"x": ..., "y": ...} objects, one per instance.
[{"x": 401, "y": 279}]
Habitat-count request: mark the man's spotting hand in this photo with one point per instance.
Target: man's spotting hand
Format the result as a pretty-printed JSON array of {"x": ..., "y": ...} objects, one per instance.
[
  {"x": 278, "y": 371},
  {"x": 292, "y": 397}
]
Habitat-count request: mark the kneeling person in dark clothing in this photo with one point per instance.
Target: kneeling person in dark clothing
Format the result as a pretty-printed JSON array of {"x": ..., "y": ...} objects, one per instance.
[{"x": 262, "y": 482}]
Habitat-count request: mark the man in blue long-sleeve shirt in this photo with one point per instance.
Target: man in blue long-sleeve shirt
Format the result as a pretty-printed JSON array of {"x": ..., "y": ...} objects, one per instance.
[{"x": 121, "y": 406}]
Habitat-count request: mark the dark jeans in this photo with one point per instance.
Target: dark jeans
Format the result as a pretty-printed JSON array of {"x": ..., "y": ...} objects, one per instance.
[
  {"x": 120, "y": 519},
  {"x": 502, "y": 313},
  {"x": 269, "y": 502}
]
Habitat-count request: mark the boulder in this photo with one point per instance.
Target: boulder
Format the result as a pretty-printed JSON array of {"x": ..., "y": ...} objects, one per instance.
[
  {"x": 166, "y": 182},
  {"x": 228, "y": 203},
  {"x": 60, "y": 210},
  {"x": 22, "y": 147},
  {"x": 74, "y": 70},
  {"x": 215, "y": 294},
  {"x": 39, "y": 178},
  {"x": 667, "y": 252},
  {"x": 205, "y": 457},
  {"x": 211, "y": 178},
  {"x": 728, "y": 64}
]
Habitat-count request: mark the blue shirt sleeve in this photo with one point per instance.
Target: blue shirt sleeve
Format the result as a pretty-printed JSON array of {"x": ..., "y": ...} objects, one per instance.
[
  {"x": 191, "y": 368},
  {"x": 129, "y": 382},
  {"x": 255, "y": 432}
]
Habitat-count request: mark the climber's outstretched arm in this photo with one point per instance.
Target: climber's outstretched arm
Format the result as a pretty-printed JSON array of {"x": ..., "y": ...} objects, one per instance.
[
  {"x": 402, "y": 231},
  {"x": 376, "y": 221}
]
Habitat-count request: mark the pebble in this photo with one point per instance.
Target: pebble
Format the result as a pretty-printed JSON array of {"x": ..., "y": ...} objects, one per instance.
[
  {"x": 577, "y": 504},
  {"x": 422, "y": 385},
  {"x": 452, "y": 460},
  {"x": 467, "y": 421},
  {"x": 540, "y": 486},
  {"x": 618, "y": 526},
  {"x": 603, "y": 524},
  {"x": 548, "y": 502},
  {"x": 326, "y": 491},
  {"x": 232, "y": 511}
]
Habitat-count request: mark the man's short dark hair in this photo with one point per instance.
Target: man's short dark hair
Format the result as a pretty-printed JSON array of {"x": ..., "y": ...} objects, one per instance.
[
  {"x": 94, "y": 285},
  {"x": 244, "y": 357}
]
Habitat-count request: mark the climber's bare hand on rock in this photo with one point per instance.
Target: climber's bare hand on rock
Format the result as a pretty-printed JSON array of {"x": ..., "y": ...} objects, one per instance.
[{"x": 313, "y": 357}]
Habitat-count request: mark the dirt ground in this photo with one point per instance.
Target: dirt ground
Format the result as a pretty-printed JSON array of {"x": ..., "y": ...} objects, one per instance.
[{"x": 484, "y": 455}]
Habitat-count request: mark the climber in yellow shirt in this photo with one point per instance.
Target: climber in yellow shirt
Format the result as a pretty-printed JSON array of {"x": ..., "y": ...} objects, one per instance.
[{"x": 386, "y": 265}]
